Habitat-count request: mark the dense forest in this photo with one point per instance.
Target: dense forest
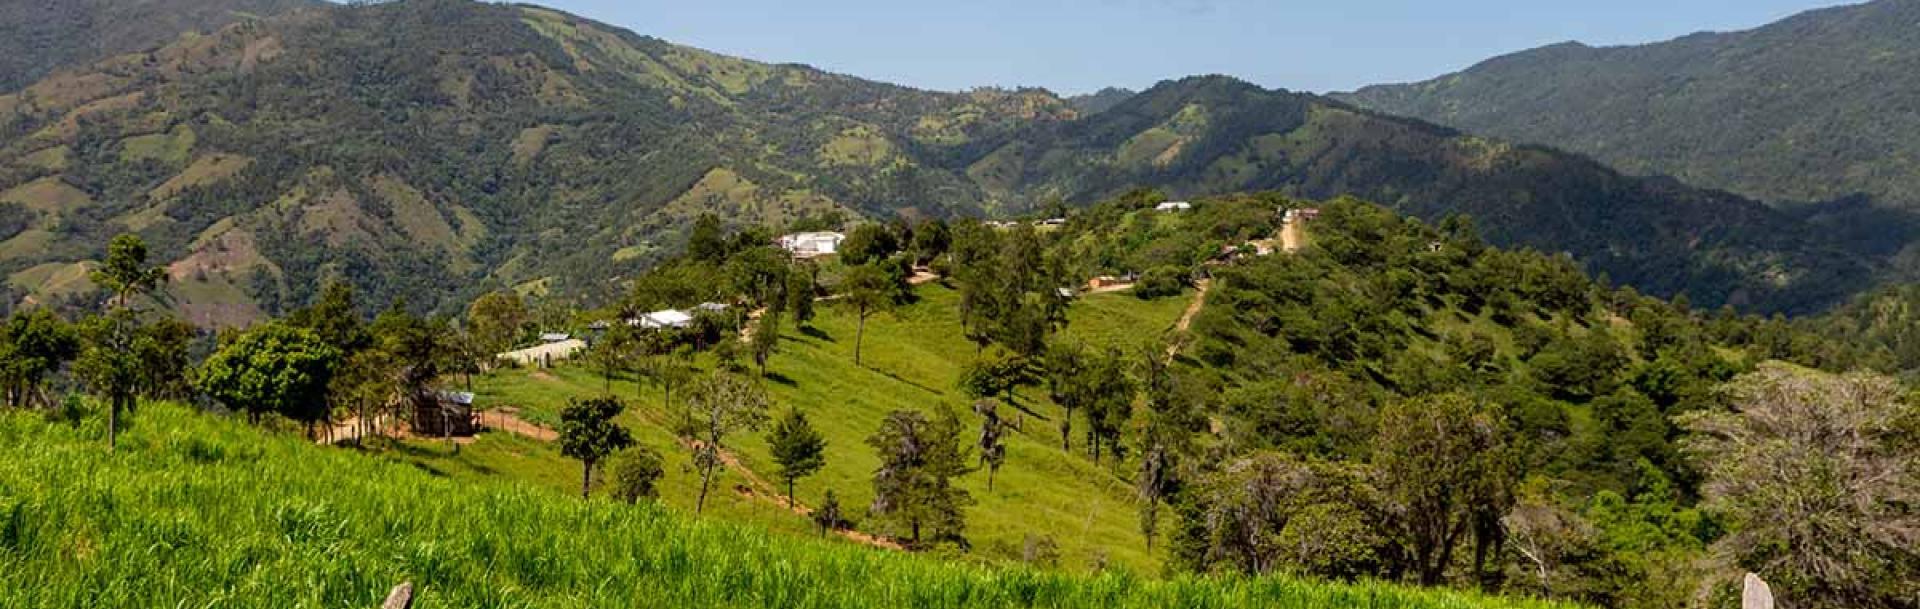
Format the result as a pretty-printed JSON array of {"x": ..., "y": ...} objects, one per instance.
[
  {"x": 1797, "y": 111},
  {"x": 441, "y": 149}
]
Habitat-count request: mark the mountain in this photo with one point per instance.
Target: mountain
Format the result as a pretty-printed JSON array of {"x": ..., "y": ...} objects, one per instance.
[
  {"x": 1099, "y": 101},
  {"x": 37, "y": 37},
  {"x": 435, "y": 149},
  {"x": 1819, "y": 106}
]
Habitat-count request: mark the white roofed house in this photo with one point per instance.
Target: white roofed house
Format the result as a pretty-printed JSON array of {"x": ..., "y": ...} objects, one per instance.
[
  {"x": 669, "y": 318},
  {"x": 808, "y": 245},
  {"x": 1173, "y": 206}
]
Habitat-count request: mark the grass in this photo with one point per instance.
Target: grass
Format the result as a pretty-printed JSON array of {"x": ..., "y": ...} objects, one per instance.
[
  {"x": 912, "y": 359},
  {"x": 198, "y": 510}
]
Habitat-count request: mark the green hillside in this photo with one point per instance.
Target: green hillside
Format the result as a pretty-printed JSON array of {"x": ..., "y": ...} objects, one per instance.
[
  {"x": 1800, "y": 110},
  {"x": 439, "y": 149},
  {"x": 195, "y": 509},
  {"x": 37, "y": 38},
  {"x": 913, "y": 359}
]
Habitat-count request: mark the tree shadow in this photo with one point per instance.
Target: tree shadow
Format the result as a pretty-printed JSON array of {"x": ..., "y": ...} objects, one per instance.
[
  {"x": 816, "y": 333},
  {"x": 903, "y": 380},
  {"x": 781, "y": 379}
]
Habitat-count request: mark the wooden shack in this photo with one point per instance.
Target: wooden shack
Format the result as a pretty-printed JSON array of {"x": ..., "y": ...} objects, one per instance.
[{"x": 445, "y": 413}]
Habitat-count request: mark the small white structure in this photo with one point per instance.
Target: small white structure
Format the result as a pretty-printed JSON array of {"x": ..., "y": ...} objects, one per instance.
[
  {"x": 555, "y": 337},
  {"x": 545, "y": 353},
  {"x": 711, "y": 307},
  {"x": 670, "y": 318},
  {"x": 1303, "y": 214},
  {"x": 1051, "y": 222},
  {"x": 808, "y": 245},
  {"x": 1173, "y": 206}
]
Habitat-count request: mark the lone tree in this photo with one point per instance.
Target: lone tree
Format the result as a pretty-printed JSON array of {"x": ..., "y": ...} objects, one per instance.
[
  {"x": 588, "y": 433},
  {"x": 497, "y": 320},
  {"x": 993, "y": 450},
  {"x": 111, "y": 362},
  {"x": 1815, "y": 476},
  {"x": 719, "y": 405},
  {"x": 275, "y": 368},
  {"x": 913, "y": 488},
  {"x": 829, "y": 515},
  {"x": 798, "y": 449},
  {"x": 125, "y": 273},
  {"x": 636, "y": 474},
  {"x": 868, "y": 290},
  {"x": 766, "y": 338}
]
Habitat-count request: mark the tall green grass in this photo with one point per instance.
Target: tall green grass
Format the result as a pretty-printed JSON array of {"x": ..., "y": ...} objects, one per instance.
[{"x": 196, "y": 510}]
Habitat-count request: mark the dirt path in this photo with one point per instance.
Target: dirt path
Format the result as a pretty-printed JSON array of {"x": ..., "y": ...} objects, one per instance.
[
  {"x": 1291, "y": 237},
  {"x": 508, "y": 419},
  {"x": 1186, "y": 317}
]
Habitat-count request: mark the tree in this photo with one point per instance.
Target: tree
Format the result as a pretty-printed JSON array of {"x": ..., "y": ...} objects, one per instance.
[
  {"x": 335, "y": 317},
  {"x": 588, "y": 433},
  {"x": 1442, "y": 466},
  {"x": 717, "y": 406},
  {"x": 913, "y": 487},
  {"x": 275, "y": 368},
  {"x": 867, "y": 289},
  {"x": 706, "y": 241},
  {"x": 799, "y": 295},
  {"x": 33, "y": 344},
  {"x": 993, "y": 449},
  {"x": 995, "y": 373},
  {"x": 766, "y": 338},
  {"x": 613, "y": 352},
  {"x": 497, "y": 320},
  {"x": 798, "y": 449},
  {"x": 636, "y": 474},
  {"x": 1171, "y": 421},
  {"x": 1274, "y": 511},
  {"x": 829, "y": 516},
  {"x": 1815, "y": 477},
  {"x": 930, "y": 240},
  {"x": 125, "y": 272},
  {"x": 867, "y": 243},
  {"x": 667, "y": 370},
  {"x": 110, "y": 364}
]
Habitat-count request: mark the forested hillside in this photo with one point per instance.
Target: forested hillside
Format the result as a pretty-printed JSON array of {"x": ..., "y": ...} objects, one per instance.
[
  {"x": 38, "y": 37},
  {"x": 439, "y": 149},
  {"x": 1815, "y": 107}
]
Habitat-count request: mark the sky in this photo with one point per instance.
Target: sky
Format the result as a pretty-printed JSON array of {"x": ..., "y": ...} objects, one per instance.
[{"x": 1079, "y": 46}]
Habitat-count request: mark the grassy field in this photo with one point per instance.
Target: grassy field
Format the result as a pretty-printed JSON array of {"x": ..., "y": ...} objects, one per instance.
[
  {"x": 198, "y": 510},
  {"x": 912, "y": 359}
]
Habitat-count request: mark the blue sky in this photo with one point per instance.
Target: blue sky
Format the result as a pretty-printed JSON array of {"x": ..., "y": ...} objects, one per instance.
[{"x": 1077, "y": 46}]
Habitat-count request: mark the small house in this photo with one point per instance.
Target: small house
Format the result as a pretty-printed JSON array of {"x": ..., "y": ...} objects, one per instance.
[
  {"x": 669, "y": 318},
  {"x": 808, "y": 245},
  {"x": 445, "y": 413},
  {"x": 1173, "y": 206},
  {"x": 555, "y": 337},
  {"x": 1304, "y": 214},
  {"x": 711, "y": 307}
]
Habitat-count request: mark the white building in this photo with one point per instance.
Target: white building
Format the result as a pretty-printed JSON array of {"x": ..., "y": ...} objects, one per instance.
[
  {"x": 808, "y": 245},
  {"x": 670, "y": 318},
  {"x": 1173, "y": 206}
]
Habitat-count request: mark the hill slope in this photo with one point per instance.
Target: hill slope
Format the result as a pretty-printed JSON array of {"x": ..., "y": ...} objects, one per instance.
[
  {"x": 38, "y": 37},
  {"x": 193, "y": 509},
  {"x": 435, "y": 149},
  {"x": 1815, "y": 107}
]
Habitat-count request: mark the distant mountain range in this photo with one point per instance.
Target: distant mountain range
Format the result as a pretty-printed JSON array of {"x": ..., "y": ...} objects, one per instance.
[
  {"x": 434, "y": 149},
  {"x": 37, "y": 36},
  {"x": 1816, "y": 107}
]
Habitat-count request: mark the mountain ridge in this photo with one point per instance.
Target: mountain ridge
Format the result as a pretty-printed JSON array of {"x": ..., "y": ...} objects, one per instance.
[
  {"x": 1800, "y": 110},
  {"x": 437, "y": 149}
]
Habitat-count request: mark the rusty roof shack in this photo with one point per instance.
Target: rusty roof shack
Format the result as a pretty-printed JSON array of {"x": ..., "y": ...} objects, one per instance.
[{"x": 445, "y": 413}]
